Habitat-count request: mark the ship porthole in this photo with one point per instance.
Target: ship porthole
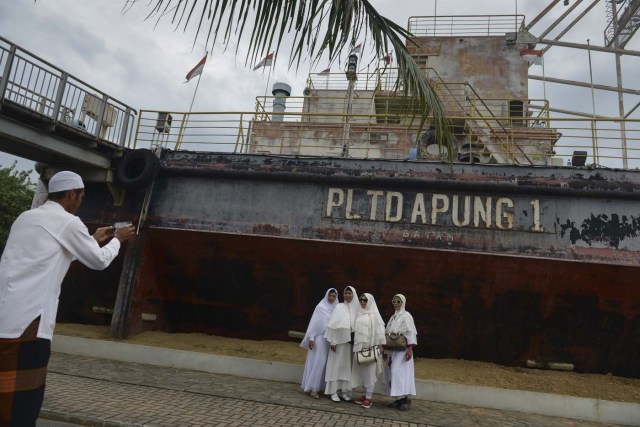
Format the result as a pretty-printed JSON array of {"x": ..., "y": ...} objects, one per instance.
[{"x": 137, "y": 169}]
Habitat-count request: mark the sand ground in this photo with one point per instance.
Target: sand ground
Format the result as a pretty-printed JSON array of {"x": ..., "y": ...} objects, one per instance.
[{"x": 605, "y": 387}]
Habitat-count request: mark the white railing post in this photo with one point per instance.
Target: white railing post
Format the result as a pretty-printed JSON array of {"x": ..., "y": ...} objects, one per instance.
[
  {"x": 62, "y": 84},
  {"x": 125, "y": 126},
  {"x": 4, "y": 82}
]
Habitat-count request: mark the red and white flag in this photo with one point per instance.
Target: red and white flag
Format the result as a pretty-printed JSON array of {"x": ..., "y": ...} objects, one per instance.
[
  {"x": 327, "y": 71},
  {"x": 197, "y": 70},
  {"x": 356, "y": 49},
  {"x": 388, "y": 59},
  {"x": 266, "y": 62},
  {"x": 533, "y": 56}
]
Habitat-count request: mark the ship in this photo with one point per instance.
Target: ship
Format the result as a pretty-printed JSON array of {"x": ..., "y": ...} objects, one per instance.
[{"x": 517, "y": 242}]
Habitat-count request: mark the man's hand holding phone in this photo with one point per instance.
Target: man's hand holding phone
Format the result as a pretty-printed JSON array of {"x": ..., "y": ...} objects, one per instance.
[{"x": 123, "y": 231}]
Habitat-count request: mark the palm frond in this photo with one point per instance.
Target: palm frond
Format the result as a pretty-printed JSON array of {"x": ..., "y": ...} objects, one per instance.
[{"x": 320, "y": 27}]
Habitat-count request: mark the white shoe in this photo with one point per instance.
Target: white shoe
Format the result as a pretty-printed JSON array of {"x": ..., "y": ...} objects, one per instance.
[
  {"x": 335, "y": 397},
  {"x": 346, "y": 397}
]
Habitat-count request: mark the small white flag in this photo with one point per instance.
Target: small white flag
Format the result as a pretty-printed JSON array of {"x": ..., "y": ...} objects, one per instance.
[
  {"x": 266, "y": 62},
  {"x": 197, "y": 70}
]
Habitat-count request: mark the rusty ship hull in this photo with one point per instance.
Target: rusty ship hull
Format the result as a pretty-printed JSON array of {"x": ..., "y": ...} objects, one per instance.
[{"x": 533, "y": 263}]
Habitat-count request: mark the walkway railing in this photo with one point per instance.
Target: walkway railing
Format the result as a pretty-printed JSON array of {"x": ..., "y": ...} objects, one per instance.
[
  {"x": 465, "y": 25},
  {"x": 37, "y": 86}
]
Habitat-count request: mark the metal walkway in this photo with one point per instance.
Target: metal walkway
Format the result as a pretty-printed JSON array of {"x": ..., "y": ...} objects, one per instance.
[{"x": 50, "y": 116}]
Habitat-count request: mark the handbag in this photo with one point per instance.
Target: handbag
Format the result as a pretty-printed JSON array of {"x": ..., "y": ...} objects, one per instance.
[
  {"x": 395, "y": 342},
  {"x": 367, "y": 356}
]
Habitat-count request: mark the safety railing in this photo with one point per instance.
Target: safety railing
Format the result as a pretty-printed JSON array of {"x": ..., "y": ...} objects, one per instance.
[
  {"x": 465, "y": 25},
  {"x": 537, "y": 140},
  {"x": 380, "y": 79},
  {"x": 376, "y": 106},
  {"x": 33, "y": 84},
  {"x": 383, "y": 79}
]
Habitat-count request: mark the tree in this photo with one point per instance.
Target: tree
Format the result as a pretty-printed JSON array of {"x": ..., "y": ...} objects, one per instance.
[
  {"x": 16, "y": 194},
  {"x": 320, "y": 26}
]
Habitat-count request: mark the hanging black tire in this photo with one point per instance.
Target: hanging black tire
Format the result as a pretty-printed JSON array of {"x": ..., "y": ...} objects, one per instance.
[{"x": 137, "y": 169}]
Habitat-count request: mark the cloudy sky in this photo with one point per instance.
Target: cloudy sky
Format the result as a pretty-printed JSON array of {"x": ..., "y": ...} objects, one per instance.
[{"x": 143, "y": 63}]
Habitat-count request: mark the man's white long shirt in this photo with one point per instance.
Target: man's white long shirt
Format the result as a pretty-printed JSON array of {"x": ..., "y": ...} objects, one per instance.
[{"x": 41, "y": 245}]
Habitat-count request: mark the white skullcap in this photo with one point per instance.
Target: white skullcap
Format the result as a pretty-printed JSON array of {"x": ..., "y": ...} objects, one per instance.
[{"x": 65, "y": 180}]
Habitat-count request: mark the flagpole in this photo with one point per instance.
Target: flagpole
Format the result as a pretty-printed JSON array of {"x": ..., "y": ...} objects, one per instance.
[
  {"x": 199, "y": 68},
  {"x": 594, "y": 131},
  {"x": 267, "y": 88},
  {"x": 194, "y": 93},
  {"x": 186, "y": 118}
]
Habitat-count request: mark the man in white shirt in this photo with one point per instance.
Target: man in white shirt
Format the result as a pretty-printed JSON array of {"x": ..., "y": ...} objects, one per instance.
[{"x": 42, "y": 244}]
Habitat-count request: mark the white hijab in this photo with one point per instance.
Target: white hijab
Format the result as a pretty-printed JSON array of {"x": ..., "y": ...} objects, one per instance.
[
  {"x": 402, "y": 322},
  {"x": 342, "y": 320},
  {"x": 320, "y": 318},
  {"x": 369, "y": 326}
]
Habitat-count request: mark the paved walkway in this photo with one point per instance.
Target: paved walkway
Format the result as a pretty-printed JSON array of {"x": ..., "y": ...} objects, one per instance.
[{"x": 101, "y": 392}]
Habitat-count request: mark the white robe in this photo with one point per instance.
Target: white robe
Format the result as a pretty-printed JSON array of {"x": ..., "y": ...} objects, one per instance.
[
  {"x": 338, "y": 375},
  {"x": 398, "y": 380},
  {"x": 365, "y": 375},
  {"x": 315, "y": 365},
  {"x": 369, "y": 332}
]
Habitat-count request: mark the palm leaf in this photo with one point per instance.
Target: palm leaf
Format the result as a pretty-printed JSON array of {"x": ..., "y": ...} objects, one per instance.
[{"x": 320, "y": 27}]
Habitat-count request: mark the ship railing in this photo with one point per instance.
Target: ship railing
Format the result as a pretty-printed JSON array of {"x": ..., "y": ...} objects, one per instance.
[
  {"x": 597, "y": 142},
  {"x": 545, "y": 140},
  {"x": 370, "y": 80},
  {"x": 465, "y": 25},
  {"x": 376, "y": 106},
  {"x": 478, "y": 118},
  {"x": 501, "y": 118},
  {"x": 384, "y": 79},
  {"x": 379, "y": 94},
  {"x": 535, "y": 109},
  {"x": 34, "y": 86}
]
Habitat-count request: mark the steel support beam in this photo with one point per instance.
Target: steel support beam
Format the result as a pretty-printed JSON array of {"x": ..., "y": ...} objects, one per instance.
[
  {"x": 561, "y": 18},
  {"x": 541, "y": 14},
  {"x": 586, "y": 47},
  {"x": 582, "y": 84},
  {"x": 31, "y": 143},
  {"x": 574, "y": 113},
  {"x": 574, "y": 22}
]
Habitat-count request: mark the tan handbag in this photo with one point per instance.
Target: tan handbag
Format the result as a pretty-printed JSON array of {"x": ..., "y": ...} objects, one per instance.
[{"x": 395, "y": 342}]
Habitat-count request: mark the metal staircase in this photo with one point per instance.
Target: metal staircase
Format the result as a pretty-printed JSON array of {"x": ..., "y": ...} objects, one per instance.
[
  {"x": 623, "y": 20},
  {"x": 486, "y": 139}
]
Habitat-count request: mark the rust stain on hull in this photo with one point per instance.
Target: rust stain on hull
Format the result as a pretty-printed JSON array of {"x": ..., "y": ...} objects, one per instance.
[{"x": 478, "y": 307}]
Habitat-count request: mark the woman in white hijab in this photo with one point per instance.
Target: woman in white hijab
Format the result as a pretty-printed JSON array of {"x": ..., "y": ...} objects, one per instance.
[
  {"x": 316, "y": 344},
  {"x": 398, "y": 378},
  {"x": 369, "y": 332},
  {"x": 339, "y": 329}
]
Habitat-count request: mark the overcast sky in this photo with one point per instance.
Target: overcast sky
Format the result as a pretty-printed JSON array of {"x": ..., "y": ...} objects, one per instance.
[{"x": 144, "y": 65}]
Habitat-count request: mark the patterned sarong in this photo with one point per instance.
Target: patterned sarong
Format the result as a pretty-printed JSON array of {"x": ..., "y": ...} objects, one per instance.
[{"x": 23, "y": 370}]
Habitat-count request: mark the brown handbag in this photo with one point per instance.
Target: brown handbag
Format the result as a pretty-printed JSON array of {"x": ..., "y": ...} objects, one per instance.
[{"x": 395, "y": 342}]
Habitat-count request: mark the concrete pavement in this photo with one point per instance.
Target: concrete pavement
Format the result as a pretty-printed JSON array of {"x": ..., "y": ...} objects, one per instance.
[{"x": 101, "y": 392}]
